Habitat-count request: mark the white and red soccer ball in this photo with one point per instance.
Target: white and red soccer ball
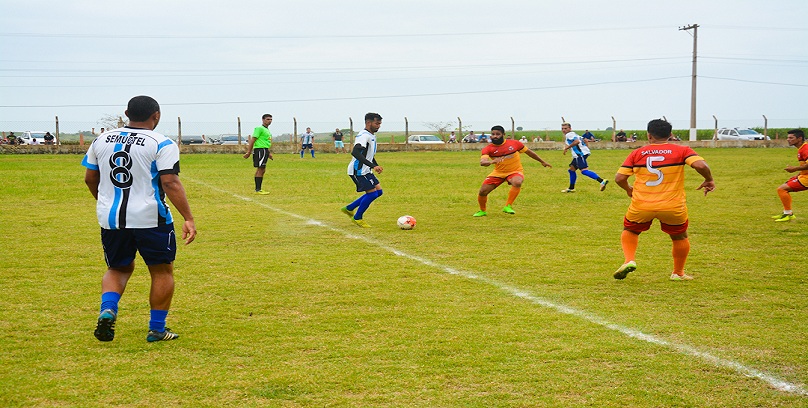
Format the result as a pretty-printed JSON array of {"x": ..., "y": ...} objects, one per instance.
[{"x": 406, "y": 222}]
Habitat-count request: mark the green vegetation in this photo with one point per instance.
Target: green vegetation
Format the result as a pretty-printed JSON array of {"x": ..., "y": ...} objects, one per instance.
[{"x": 283, "y": 302}]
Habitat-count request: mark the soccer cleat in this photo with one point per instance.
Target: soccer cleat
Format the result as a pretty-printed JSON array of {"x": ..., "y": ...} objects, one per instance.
[
  {"x": 785, "y": 217},
  {"x": 603, "y": 184},
  {"x": 361, "y": 223},
  {"x": 508, "y": 210},
  {"x": 105, "y": 328},
  {"x": 568, "y": 190},
  {"x": 624, "y": 270},
  {"x": 261, "y": 192},
  {"x": 480, "y": 213},
  {"x": 165, "y": 335},
  {"x": 684, "y": 276},
  {"x": 346, "y": 211}
]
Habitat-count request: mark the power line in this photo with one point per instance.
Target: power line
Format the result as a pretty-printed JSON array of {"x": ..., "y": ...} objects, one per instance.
[
  {"x": 358, "y": 97},
  {"x": 754, "y": 82}
]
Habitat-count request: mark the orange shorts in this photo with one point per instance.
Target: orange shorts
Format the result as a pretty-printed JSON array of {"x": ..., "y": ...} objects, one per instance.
[
  {"x": 496, "y": 181},
  {"x": 673, "y": 222}
]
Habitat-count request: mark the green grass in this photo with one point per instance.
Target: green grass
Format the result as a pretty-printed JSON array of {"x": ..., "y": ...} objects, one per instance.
[{"x": 275, "y": 309}]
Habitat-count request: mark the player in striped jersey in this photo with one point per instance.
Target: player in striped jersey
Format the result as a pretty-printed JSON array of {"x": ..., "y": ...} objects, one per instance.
[
  {"x": 130, "y": 171},
  {"x": 361, "y": 169},
  {"x": 658, "y": 192}
]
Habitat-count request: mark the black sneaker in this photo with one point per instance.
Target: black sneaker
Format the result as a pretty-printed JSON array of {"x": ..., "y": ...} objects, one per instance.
[
  {"x": 166, "y": 335},
  {"x": 105, "y": 328}
]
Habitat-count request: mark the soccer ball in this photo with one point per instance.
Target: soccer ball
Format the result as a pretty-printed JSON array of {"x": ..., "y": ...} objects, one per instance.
[{"x": 406, "y": 222}]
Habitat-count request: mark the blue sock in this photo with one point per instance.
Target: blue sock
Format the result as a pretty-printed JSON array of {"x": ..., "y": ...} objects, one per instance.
[
  {"x": 363, "y": 206},
  {"x": 301, "y": 153},
  {"x": 312, "y": 153},
  {"x": 573, "y": 179},
  {"x": 356, "y": 203},
  {"x": 591, "y": 174},
  {"x": 109, "y": 300},
  {"x": 158, "y": 320}
]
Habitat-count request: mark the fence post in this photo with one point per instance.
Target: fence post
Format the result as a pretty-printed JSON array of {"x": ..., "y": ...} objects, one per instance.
[
  {"x": 513, "y": 129},
  {"x": 406, "y": 131},
  {"x": 295, "y": 133},
  {"x": 765, "y": 126},
  {"x": 460, "y": 129},
  {"x": 352, "y": 135},
  {"x": 238, "y": 118},
  {"x": 614, "y": 128},
  {"x": 57, "y": 130},
  {"x": 179, "y": 131},
  {"x": 715, "y": 132}
]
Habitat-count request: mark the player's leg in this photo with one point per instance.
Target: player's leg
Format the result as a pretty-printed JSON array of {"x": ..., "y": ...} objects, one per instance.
[
  {"x": 119, "y": 252},
  {"x": 489, "y": 185},
  {"x": 311, "y": 150},
  {"x": 260, "y": 158},
  {"x": 160, "y": 260},
  {"x": 634, "y": 223},
  {"x": 784, "y": 192},
  {"x": 573, "y": 178},
  {"x": 677, "y": 229},
  {"x": 515, "y": 181}
]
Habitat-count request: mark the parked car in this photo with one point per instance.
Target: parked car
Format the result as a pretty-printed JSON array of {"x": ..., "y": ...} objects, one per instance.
[
  {"x": 425, "y": 139},
  {"x": 740, "y": 134},
  {"x": 192, "y": 139},
  {"x": 29, "y": 136},
  {"x": 231, "y": 140}
]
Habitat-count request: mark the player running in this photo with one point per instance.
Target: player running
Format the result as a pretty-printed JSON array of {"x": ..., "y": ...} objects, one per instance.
[
  {"x": 659, "y": 192},
  {"x": 361, "y": 169},
  {"x": 580, "y": 152},
  {"x": 796, "y": 138},
  {"x": 504, "y": 154}
]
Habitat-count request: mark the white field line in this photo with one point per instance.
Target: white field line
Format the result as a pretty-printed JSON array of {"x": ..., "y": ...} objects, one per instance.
[{"x": 777, "y": 383}]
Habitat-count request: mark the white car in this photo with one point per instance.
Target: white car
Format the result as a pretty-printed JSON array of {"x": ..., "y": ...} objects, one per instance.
[
  {"x": 425, "y": 139},
  {"x": 29, "y": 136},
  {"x": 740, "y": 134}
]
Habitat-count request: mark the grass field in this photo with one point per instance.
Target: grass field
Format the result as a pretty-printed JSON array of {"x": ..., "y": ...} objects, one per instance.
[{"x": 281, "y": 301}]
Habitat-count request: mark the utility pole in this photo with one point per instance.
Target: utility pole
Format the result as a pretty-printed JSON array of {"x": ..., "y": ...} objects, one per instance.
[{"x": 693, "y": 132}]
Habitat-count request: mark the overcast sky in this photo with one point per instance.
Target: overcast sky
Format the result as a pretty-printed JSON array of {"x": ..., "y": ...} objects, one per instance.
[{"x": 431, "y": 61}]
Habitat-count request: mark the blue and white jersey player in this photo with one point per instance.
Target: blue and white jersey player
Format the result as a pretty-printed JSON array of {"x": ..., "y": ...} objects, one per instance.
[
  {"x": 580, "y": 152},
  {"x": 360, "y": 169}
]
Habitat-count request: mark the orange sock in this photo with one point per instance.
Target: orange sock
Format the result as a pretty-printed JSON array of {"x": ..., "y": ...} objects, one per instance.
[
  {"x": 629, "y": 242},
  {"x": 785, "y": 197},
  {"x": 681, "y": 247},
  {"x": 512, "y": 194},
  {"x": 482, "y": 200}
]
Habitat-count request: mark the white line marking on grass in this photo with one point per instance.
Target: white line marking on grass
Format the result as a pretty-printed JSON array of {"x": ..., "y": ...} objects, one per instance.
[{"x": 772, "y": 380}]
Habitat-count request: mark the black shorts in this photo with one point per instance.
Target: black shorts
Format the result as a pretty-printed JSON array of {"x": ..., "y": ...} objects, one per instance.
[
  {"x": 365, "y": 182},
  {"x": 260, "y": 157},
  {"x": 306, "y": 146},
  {"x": 156, "y": 245}
]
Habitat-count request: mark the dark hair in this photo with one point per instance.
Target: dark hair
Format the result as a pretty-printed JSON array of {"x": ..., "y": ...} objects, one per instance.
[
  {"x": 370, "y": 117},
  {"x": 797, "y": 133},
  {"x": 498, "y": 127},
  {"x": 266, "y": 115},
  {"x": 141, "y": 108},
  {"x": 659, "y": 129}
]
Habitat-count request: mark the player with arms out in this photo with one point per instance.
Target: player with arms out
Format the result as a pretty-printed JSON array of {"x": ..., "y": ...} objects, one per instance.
[
  {"x": 258, "y": 145},
  {"x": 659, "y": 192},
  {"x": 504, "y": 155},
  {"x": 130, "y": 171},
  {"x": 796, "y": 138},
  {"x": 360, "y": 169}
]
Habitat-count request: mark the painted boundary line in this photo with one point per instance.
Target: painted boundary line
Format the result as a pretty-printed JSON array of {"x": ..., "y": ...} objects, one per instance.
[{"x": 775, "y": 382}]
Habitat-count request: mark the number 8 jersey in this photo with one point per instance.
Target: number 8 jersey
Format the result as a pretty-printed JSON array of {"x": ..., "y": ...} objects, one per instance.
[
  {"x": 659, "y": 175},
  {"x": 130, "y": 162}
]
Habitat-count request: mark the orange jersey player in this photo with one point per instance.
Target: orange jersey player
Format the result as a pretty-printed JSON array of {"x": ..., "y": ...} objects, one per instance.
[
  {"x": 504, "y": 155},
  {"x": 658, "y": 192},
  {"x": 796, "y": 138}
]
